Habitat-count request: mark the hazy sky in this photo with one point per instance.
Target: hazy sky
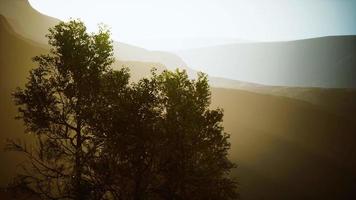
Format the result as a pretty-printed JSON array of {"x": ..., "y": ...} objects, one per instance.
[{"x": 179, "y": 24}]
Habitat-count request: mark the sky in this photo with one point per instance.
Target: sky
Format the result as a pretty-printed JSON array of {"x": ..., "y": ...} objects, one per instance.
[{"x": 182, "y": 24}]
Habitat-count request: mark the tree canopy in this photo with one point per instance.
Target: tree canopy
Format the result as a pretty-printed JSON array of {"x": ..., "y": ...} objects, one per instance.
[{"x": 99, "y": 136}]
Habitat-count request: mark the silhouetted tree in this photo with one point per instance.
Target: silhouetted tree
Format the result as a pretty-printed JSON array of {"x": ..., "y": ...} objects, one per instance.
[
  {"x": 130, "y": 139},
  {"x": 101, "y": 137},
  {"x": 194, "y": 160},
  {"x": 163, "y": 141},
  {"x": 55, "y": 105}
]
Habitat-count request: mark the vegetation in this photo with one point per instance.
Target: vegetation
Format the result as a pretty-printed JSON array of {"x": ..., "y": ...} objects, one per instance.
[{"x": 101, "y": 137}]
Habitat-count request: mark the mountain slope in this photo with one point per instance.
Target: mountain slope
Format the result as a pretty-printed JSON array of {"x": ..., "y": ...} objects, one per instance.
[
  {"x": 34, "y": 25},
  {"x": 339, "y": 101},
  {"x": 27, "y": 21},
  {"x": 15, "y": 62},
  {"x": 126, "y": 52},
  {"x": 285, "y": 148},
  {"x": 288, "y": 149},
  {"x": 277, "y": 142},
  {"x": 319, "y": 62}
]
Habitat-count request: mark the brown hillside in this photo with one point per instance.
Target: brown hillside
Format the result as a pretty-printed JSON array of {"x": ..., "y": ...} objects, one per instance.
[
  {"x": 15, "y": 63},
  {"x": 288, "y": 149}
]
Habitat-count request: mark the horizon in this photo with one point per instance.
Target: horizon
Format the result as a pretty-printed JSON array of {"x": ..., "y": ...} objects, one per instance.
[
  {"x": 100, "y": 114},
  {"x": 209, "y": 23}
]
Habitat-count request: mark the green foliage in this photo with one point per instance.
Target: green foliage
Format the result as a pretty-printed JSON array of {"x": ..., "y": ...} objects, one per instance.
[
  {"x": 101, "y": 137},
  {"x": 194, "y": 139},
  {"x": 55, "y": 106}
]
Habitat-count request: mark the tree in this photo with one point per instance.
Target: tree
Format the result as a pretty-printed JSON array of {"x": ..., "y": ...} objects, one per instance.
[
  {"x": 101, "y": 137},
  {"x": 125, "y": 164},
  {"x": 55, "y": 106},
  {"x": 195, "y": 139},
  {"x": 163, "y": 141}
]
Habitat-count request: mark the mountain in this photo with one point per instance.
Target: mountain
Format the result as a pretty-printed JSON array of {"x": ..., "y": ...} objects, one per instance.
[
  {"x": 126, "y": 52},
  {"x": 178, "y": 43},
  {"x": 286, "y": 148},
  {"x": 288, "y": 142},
  {"x": 328, "y": 62},
  {"x": 339, "y": 101},
  {"x": 15, "y": 62},
  {"x": 27, "y": 21},
  {"x": 278, "y": 142},
  {"x": 34, "y": 25}
]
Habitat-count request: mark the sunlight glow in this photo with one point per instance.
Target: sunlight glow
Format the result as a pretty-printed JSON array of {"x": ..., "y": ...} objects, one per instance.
[{"x": 176, "y": 24}]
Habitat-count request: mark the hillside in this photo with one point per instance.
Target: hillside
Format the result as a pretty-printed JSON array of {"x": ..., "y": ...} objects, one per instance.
[
  {"x": 328, "y": 62},
  {"x": 288, "y": 149},
  {"x": 276, "y": 141},
  {"x": 339, "y": 101},
  {"x": 288, "y": 142},
  {"x": 126, "y": 52},
  {"x": 25, "y": 20},
  {"x": 15, "y": 62},
  {"x": 34, "y": 25}
]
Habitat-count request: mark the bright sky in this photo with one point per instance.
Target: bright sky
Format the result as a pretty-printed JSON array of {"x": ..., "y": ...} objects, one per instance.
[{"x": 180, "y": 24}]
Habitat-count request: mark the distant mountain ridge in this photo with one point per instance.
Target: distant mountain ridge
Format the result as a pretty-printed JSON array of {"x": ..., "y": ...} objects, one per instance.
[
  {"x": 247, "y": 62},
  {"x": 33, "y": 25},
  {"x": 300, "y": 147},
  {"x": 328, "y": 62},
  {"x": 27, "y": 21}
]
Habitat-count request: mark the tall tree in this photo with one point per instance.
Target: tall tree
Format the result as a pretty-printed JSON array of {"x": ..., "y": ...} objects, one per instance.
[
  {"x": 55, "y": 106},
  {"x": 129, "y": 138},
  {"x": 164, "y": 142},
  {"x": 195, "y": 162},
  {"x": 101, "y": 137}
]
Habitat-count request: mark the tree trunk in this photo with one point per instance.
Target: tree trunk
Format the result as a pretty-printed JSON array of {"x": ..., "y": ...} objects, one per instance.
[{"x": 78, "y": 165}]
